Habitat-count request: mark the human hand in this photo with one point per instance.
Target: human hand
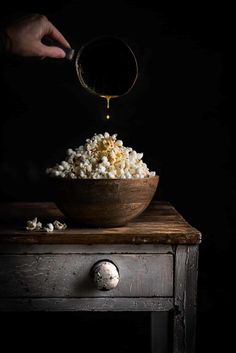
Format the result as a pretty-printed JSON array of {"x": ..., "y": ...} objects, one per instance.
[{"x": 24, "y": 37}]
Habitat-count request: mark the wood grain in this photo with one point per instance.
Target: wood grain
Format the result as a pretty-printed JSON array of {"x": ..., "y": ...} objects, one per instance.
[
  {"x": 69, "y": 276},
  {"x": 85, "y": 304},
  {"x": 103, "y": 202},
  {"x": 160, "y": 223},
  {"x": 186, "y": 271}
]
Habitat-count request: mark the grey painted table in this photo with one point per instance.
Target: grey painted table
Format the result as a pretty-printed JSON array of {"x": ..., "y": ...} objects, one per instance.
[{"x": 155, "y": 256}]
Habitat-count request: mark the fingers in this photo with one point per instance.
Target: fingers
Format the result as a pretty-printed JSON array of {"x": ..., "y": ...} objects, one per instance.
[
  {"x": 56, "y": 35},
  {"x": 51, "y": 52},
  {"x": 26, "y": 37}
]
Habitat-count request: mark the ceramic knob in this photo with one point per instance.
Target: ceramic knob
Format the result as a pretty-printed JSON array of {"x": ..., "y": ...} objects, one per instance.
[{"x": 105, "y": 275}]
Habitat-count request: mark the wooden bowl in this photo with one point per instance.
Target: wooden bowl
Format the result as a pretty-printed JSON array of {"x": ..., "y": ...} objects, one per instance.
[{"x": 103, "y": 202}]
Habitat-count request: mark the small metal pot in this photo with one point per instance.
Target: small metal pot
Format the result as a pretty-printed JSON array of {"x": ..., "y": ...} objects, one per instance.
[{"x": 106, "y": 66}]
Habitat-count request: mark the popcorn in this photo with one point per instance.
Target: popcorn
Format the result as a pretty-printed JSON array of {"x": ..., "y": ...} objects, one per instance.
[
  {"x": 102, "y": 157},
  {"x": 38, "y": 226},
  {"x": 49, "y": 228},
  {"x": 34, "y": 225},
  {"x": 59, "y": 226}
]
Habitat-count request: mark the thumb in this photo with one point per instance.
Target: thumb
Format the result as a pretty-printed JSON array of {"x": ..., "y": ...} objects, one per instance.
[{"x": 51, "y": 52}]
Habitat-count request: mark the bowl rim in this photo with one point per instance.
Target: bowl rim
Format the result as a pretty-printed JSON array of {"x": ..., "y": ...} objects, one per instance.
[{"x": 157, "y": 177}]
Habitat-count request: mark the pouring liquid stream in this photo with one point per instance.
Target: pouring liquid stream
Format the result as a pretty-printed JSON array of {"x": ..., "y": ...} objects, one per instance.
[{"x": 108, "y": 104}]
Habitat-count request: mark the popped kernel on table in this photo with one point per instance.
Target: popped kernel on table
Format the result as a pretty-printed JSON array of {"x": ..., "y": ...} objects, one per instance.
[
  {"x": 156, "y": 256},
  {"x": 37, "y": 226}
]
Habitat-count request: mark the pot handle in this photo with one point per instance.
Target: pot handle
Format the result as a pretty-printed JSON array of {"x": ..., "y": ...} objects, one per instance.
[{"x": 70, "y": 53}]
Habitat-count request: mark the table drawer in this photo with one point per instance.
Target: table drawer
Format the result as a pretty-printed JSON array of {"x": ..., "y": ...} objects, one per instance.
[{"x": 68, "y": 275}]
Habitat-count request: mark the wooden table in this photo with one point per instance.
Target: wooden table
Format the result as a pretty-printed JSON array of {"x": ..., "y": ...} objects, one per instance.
[{"x": 155, "y": 255}]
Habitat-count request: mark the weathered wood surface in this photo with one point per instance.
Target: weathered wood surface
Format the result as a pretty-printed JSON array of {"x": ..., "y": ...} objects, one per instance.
[
  {"x": 159, "y": 224},
  {"x": 185, "y": 294},
  {"x": 69, "y": 275},
  {"x": 85, "y": 304},
  {"x": 25, "y": 249}
]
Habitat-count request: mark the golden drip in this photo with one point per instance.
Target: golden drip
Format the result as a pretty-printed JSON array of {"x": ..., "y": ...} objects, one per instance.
[
  {"x": 108, "y": 104},
  {"x": 108, "y": 101}
]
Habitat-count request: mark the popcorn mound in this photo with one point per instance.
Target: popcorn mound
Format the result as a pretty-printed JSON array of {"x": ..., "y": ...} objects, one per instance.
[{"x": 101, "y": 157}]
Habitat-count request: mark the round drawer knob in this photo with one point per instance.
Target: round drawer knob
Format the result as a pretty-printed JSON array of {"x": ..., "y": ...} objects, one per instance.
[{"x": 105, "y": 275}]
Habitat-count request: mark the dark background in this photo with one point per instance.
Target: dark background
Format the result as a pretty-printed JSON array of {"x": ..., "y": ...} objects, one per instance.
[{"x": 179, "y": 113}]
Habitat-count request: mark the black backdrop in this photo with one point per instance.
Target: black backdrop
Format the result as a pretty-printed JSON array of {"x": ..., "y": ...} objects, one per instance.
[{"x": 179, "y": 114}]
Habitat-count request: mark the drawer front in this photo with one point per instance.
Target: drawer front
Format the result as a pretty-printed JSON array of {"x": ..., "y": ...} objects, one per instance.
[{"x": 60, "y": 275}]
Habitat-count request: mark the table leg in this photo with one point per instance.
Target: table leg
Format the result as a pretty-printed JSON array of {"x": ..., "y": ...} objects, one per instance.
[{"x": 184, "y": 330}]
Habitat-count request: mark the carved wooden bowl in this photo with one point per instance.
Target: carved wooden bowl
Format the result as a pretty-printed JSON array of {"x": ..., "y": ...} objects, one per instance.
[{"x": 103, "y": 202}]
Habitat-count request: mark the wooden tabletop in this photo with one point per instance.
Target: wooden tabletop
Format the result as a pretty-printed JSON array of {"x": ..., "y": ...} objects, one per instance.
[{"x": 159, "y": 224}]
